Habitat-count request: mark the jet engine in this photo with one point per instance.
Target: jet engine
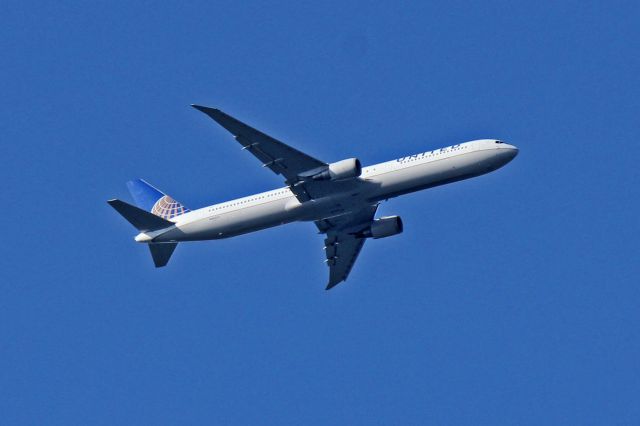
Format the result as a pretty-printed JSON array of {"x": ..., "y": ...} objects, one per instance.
[
  {"x": 345, "y": 169},
  {"x": 383, "y": 227}
]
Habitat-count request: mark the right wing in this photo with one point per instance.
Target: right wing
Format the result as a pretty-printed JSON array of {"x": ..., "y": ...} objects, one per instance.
[
  {"x": 342, "y": 245},
  {"x": 344, "y": 250}
]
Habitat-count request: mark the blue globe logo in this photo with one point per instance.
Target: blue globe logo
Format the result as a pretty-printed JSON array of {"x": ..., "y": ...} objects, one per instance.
[{"x": 167, "y": 208}]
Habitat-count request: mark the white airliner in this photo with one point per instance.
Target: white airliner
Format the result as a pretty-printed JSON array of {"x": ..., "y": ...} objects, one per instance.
[{"x": 341, "y": 198}]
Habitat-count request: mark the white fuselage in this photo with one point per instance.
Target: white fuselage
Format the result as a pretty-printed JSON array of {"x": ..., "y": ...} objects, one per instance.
[{"x": 376, "y": 183}]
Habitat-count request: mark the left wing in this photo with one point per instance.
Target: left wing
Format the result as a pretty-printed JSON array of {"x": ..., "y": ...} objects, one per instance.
[
  {"x": 343, "y": 244},
  {"x": 277, "y": 156}
]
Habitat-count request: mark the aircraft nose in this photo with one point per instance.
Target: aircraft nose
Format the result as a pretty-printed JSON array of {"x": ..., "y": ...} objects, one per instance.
[{"x": 507, "y": 152}]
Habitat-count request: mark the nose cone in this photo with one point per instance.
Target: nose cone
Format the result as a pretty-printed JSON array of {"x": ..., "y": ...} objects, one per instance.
[
  {"x": 512, "y": 151},
  {"x": 505, "y": 153}
]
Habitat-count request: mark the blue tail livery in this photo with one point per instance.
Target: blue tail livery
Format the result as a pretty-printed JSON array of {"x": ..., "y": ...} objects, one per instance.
[{"x": 155, "y": 201}]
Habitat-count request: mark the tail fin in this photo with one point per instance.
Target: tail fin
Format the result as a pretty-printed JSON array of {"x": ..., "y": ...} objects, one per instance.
[
  {"x": 155, "y": 201},
  {"x": 145, "y": 222},
  {"x": 161, "y": 253},
  {"x": 139, "y": 218}
]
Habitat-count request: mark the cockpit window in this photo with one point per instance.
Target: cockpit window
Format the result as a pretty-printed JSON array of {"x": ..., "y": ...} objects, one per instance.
[{"x": 499, "y": 142}]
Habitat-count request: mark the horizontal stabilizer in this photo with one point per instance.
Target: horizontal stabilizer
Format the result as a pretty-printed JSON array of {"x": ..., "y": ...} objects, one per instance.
[
  {"x": 142, "y": 220},
  {"x": 161, "y": 253}
]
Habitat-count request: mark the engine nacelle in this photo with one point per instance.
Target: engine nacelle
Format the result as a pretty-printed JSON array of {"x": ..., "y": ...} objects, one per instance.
[
  {"x": 384, "y": 227},
  {"x": 345, "y": 169}
]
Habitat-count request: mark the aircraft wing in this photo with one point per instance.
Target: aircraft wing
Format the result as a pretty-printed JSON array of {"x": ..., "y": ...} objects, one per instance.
[
  {"x": 342, "y": 245},
  {"x": 277, "y": 156}
]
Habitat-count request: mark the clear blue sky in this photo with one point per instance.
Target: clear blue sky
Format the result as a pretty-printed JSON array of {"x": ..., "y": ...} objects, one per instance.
[{"x": 512, "y": 298}]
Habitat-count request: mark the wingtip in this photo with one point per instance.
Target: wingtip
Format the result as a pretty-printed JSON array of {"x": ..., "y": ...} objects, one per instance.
[
  {"x": 332, "y": 285},
  {"x": 203, "y": 108}
]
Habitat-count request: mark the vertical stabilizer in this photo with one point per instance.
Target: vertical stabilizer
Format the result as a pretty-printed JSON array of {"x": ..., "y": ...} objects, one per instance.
[{"x": 155, "y": 201}]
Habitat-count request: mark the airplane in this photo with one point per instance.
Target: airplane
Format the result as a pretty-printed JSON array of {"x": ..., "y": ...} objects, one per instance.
[{"x": 341, "y": 198}]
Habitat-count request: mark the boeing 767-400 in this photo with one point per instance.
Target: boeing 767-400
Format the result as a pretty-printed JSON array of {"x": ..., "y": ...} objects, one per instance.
[{"x": 341, "y": 198}]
